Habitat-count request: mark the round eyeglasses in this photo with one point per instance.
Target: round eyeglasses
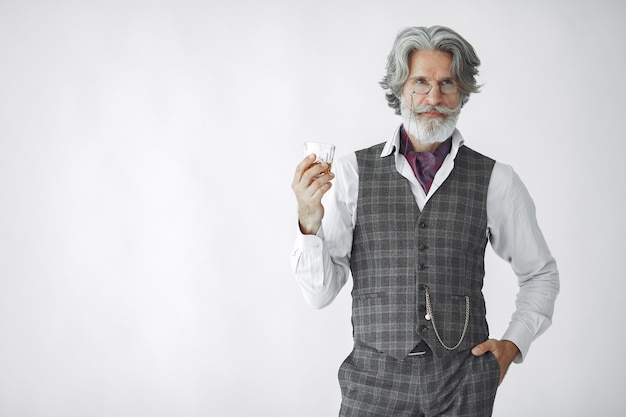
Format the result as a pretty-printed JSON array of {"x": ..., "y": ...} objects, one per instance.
[{"x": 422, "y": 86}]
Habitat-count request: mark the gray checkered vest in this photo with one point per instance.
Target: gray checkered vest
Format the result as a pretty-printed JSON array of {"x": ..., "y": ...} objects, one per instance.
[{"x": 401, "y": 254}]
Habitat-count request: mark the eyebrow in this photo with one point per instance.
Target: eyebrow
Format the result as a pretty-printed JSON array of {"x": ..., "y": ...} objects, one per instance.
[{"x": 422, "y": 77}]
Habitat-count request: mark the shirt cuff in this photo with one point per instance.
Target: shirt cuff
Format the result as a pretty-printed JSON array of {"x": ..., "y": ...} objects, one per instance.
[
  {"x": 310, "y": 244},
  {"x": 519, "y": 334}
]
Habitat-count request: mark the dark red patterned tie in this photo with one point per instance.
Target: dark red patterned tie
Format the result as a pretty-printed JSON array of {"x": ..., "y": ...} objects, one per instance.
[{"x": 424, "y": 164}]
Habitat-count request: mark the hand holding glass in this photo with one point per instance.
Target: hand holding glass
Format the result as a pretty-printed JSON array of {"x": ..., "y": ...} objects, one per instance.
[{"x": 324, "y": 152}]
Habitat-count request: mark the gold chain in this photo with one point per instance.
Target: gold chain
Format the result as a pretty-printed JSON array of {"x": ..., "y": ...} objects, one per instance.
[{"x": 429, "y": 316}]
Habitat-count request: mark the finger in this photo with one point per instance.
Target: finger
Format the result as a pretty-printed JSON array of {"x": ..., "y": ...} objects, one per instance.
[
  {"x": 484, "y": 347},
  {"x": 322, "y": 188},
  {"x": 303, "y": 166},
  {"x": 315, "y": 176},
  {"x": 307, "y": 172},
  {"x": 318, "y": 186}
]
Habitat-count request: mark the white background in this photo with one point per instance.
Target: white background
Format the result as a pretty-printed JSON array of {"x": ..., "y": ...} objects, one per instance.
[{"x": 146, "y": 215}]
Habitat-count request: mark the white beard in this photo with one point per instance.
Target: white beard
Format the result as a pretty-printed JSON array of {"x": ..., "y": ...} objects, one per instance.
[{"x": 429, "y": 130}]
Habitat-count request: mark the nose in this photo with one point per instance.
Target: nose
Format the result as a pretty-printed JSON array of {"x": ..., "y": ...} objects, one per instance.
[{"x": 434, "y": 96}]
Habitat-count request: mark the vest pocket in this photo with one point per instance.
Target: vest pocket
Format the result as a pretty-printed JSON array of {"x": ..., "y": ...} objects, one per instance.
[
  {"x": 366, "y": 294},
  {"x": 368, "y": 319}
]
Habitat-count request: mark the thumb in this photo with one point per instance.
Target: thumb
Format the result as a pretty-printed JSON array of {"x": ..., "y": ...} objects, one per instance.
[{"x": 482, "y": 348}]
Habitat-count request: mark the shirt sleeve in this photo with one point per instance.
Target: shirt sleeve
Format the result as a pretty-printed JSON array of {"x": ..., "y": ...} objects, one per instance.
[
  {"x": 321, "y": 263},
  {"x": 515, "y": 236}
]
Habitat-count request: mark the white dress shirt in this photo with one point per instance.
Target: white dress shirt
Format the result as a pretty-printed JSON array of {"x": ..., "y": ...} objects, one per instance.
[{"x": 321, "y": 262}]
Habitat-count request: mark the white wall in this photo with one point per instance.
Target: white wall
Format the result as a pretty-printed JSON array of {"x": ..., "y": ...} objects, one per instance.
[{"x": 146, "y": 215}]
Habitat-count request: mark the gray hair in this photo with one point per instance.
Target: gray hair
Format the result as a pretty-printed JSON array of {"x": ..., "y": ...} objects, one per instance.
[{"x": 464, "y": 68}]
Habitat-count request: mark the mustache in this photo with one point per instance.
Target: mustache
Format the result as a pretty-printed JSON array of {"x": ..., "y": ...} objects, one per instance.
[{"x": 441, "y": 109}]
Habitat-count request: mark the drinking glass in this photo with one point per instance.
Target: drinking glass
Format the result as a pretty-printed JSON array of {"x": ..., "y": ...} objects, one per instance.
[{"x": 324, "y": 152}]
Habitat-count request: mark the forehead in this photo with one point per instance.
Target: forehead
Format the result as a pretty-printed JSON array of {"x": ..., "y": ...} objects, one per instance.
[{"x": 431, "y": 64}]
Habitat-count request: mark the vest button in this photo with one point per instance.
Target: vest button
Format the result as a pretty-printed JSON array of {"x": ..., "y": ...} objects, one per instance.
[
  {"x": 423, "y": 225},
  {"x": 422, "y": 246},
  {"x": 423, "y": 328},
  {"x": 421, "y": 267}
]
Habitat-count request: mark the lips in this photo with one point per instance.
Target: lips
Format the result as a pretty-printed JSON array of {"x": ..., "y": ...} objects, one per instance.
[{"x": 432, "y": 114}]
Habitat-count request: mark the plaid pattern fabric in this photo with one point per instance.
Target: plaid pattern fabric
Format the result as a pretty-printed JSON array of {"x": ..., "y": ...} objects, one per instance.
[
  {"x": 376, "y": 385},
  {"x": 398, "y": 251}
]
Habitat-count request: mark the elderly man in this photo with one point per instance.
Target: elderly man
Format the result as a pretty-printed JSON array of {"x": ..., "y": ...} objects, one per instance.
[{"x": 410, "y": 219}]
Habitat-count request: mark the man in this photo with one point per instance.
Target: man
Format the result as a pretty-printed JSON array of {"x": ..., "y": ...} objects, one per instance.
[{"x": 410, "y": 219}]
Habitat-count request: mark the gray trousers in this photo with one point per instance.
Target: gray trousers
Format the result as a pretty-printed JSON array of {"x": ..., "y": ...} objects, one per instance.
[{"x": 459, "y": 385}]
